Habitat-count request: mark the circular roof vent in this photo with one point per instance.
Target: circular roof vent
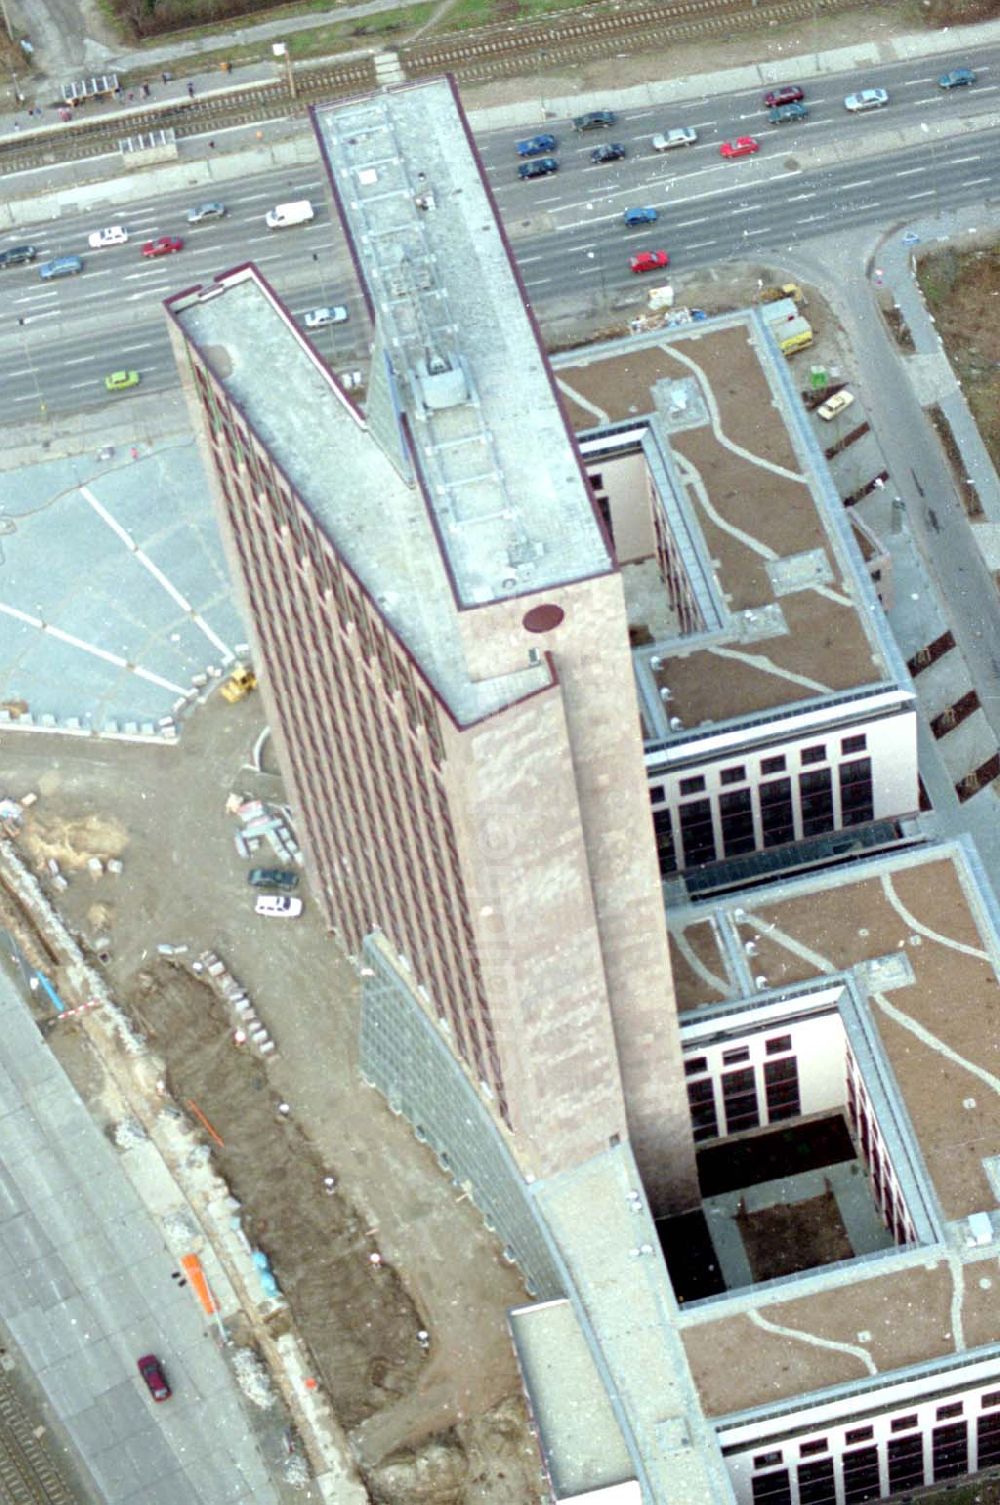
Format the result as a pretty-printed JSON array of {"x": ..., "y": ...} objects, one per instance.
[{"x": 543, "y": 618}]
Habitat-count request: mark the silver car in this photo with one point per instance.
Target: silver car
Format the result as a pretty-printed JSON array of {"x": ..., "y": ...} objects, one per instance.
[
  {"x": 681, "y": 135},
  {"x": 868, "y": 99},
  {"x": 211, "y": 210},
  {"x": 317, "y": 317}
]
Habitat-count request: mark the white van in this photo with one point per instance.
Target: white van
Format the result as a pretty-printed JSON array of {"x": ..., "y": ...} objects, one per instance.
[
  {"x": 299, "y": 212},
  {"x": 278, "y": 906}
]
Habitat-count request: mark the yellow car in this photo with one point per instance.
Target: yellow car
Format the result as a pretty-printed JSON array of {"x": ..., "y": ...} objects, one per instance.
[{"x": 120, "y": 381}]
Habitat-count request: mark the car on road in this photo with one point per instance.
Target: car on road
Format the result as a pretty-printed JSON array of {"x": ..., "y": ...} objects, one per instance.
[
  {"x": 211, "y": 210},
  {"x": 60, "y": 266},
  {"x": 680, "y": 135},
  {"x": 539, "y": 168},
  {"x": 640, "y": 216},
  {"x": 113, "y": 235},
  {"x": 743, "y": 146},
  {"x": 278, "y": 906},
  {"x": 536, "y": 146},
  {"x": 835, "y": 404},
  {"x": 272, "y": 877},
  {"x": 120, "y": 381},
  {"x": 956, "y": 78},
  {"x": 17, "y": 256},
  {"x": 867, "y": 99},
  {"x": 315, "y": 318},
  {"x": 782, "y": 114},
  {"x": 152, "y": 1372},
  {"x": 165, "y": 245},
  {"x": 594, "y": 120},
  {"x": 649, "y": 261},
  {"x": 784, "y": 94},
  {"x": 612, "y": 153}
]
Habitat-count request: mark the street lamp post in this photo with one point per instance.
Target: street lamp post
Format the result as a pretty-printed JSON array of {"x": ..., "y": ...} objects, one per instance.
[{"x": 280, "y": 49}]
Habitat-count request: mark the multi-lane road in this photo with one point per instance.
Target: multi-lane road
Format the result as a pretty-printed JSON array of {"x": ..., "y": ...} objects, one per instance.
[{"x": 928, "y": 149}]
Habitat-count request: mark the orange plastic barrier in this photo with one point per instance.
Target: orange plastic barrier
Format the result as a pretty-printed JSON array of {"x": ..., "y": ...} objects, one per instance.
[{"x": 196, "y": 1275}]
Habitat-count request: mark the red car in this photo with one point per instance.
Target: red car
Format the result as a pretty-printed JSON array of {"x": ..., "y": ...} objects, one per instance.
[
  {"x": 164, "y": 246},
  {"x": 149, "y": 1368},
  {"x": 649, "y": 261},
  {"x": 743, "y": 146},
  {"x": 785, "y": 94}
]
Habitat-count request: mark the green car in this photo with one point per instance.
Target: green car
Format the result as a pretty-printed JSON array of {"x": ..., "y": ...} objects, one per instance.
[{"x": 120, "y": 381}]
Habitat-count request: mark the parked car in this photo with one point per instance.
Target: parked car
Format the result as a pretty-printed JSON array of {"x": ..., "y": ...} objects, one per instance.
[
  {"x": 956, "y": 78},
  {"x": 278, "y": 906},
  {"x": 649, "y": 261},
  {"x": 152, "y": 1372},
  {"x": 743, "y": 146},
  {"x": 113, "y": 235},
  {"x": 681, "y": 135},
  {"x": 867, "y": 99},
  {"x": 536, "y": 146},
  {"x": 784, "y": 94},
  {"x": 594, "y": 120},
  {"x": 211, "y": 210},
  {"x": 272, "y": 877},
  {"x": 640, "y": 217},
  {"x": 120, "y": 381},
  {"x": 613, "y": 153},
  {"x": 835, "y": 404},
  {"x": 61, "y": 266},
  {"x": 317, "y": 317},
  {"x": 782, "y": 114},
  {"x": 16, "y": 256},
  {"x": 539, "y": 168},
  {"x": 164, "y": 246}
]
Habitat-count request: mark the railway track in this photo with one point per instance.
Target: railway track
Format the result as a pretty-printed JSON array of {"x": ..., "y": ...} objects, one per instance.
[{"x": 27, "y": 1474}]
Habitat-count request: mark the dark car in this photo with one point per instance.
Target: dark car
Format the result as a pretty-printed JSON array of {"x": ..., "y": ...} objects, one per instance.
[
  {"x": 613, "y": 153},
  {"x": 594, "y": 120},
  {"x": 272, "y": 877},
  {"x": 152, "y": 1373},
  {"x": 17, "y": 256},
  {"x": 536, "y": 145},
  {"x": 781, "y": 114},
  {"x": 956, "y": 78},
  {"x": 784, "y": 94},
  {"x": 647, "y": 216},
  {"x": 539, "y": 168},
  {"x": 60, "y": 266}
]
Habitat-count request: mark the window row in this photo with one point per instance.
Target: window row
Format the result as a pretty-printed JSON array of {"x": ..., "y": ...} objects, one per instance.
[{"x": 743, "y": 1097}]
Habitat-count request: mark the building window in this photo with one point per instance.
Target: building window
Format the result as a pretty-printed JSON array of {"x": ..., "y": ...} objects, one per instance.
[
  {"x": 772, "y": 765},
  {"x": 765, "y": 1460},
  {"x": 816, "y": 795},
  {"x": 857, "y": 802},
  {"x": 772, "y": 1489},
  {"x": 991, "y": 1398},
  {"x": 988, "y": 1440},
  {"x": 954, "y": 1408},
  {"x": 701, "y": 1101},
  {"x": 739, "y": 1097},
  {"x": 816, "y": 1483},
  {"x": 853, "y": 744},
  {"x": 736, "y": 816},
  {"x": 777, "y": 818},
  {"x": 906, "y": 1462},
  {"x": 695, "y": 1065},
  {"x": 733, "y": 776},
  {"x": 781, "y": 1083},
  {"x": 657, "y": 795},
  {"x": 734, "y": 1056},
  {"x": 664, "y": 828},
  {"x": 694, "y": 785},
  {"x": 697, "y": 835},
  {"x": 859, "y": 1434},
  {"x": 861, "y": 1480},
  {"x": 815, "y": 754},
  {"x": 778, "y": 1045},
  {"x": 949, "y": 1451},
  {"x": 817, "y": 1445}
]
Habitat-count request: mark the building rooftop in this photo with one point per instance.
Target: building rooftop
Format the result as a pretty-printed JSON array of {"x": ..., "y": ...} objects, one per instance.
[
  {"x": 510, "y": 500},
  {"x": 914, "y": 939},
  {"x": 789, "y": 613}
]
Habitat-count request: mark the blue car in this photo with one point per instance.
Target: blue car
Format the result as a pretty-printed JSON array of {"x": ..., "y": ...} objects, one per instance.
[
  {"x": 640, "y": 217},
  {"x": 536, "y": 145},
  {"x": 956, "y": 78}
]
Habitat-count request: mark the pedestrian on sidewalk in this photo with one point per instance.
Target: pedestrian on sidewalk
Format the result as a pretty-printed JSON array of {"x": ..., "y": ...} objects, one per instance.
[
  {"x": 165, "y": 77},
  {"x": 145, "y": 91},
  {"x": 190, "y": 89}
]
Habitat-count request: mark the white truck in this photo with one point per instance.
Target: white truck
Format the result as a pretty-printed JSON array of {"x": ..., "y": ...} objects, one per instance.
[{"x": 299, "y": 212}]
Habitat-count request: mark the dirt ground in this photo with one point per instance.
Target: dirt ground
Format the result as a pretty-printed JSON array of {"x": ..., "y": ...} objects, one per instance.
[
  {"x": 961, "y": 290},
  {"x": 784, "y": 1240}
]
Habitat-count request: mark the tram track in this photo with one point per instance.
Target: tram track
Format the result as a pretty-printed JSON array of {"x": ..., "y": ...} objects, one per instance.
[{"x": 28, "y": 1475}]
